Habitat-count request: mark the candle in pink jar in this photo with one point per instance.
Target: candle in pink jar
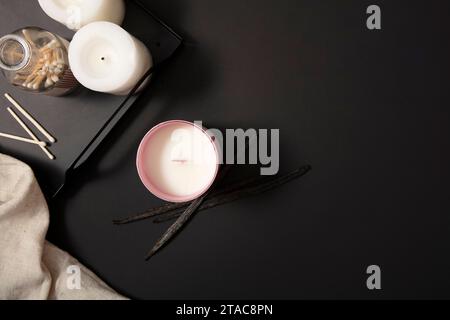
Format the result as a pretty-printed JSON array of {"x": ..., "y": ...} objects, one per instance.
[{"x": 178, "y": 161}]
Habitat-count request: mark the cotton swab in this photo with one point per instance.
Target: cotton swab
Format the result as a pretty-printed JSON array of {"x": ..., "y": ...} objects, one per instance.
[
  {"x": 30, "y": 118},
  {"x": 30, "y": 133},
  {"x": 13, "y": 137}
]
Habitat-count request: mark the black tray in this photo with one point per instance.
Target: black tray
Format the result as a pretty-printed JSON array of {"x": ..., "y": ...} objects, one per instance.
[{"x": 66, "y": 117}]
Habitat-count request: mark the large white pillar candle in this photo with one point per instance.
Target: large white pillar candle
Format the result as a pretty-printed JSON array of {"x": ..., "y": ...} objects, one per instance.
[
  {"x": 75, "y": 14},
  {"x": 105, "y": 58},
  {"x": 178, "y": 161}
]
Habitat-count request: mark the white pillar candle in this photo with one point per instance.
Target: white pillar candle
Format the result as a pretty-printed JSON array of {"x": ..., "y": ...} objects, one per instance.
[
  {"x": 104, "y": 57},
  {"x": 178, "y": 161},
  {"x": 75, "y": 14}
]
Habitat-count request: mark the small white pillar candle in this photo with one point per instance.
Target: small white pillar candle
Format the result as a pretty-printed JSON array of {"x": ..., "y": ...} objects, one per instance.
[
  {"x": 104, "y": 57},
  {"x": 178, "y": 161},
  {"x": 75, "y": 14}
]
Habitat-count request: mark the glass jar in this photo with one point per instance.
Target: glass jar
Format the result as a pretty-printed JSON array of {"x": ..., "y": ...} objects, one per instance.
[{"x": 37, "y": 61}]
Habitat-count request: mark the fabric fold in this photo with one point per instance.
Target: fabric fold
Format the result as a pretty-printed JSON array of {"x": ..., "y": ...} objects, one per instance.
[{"x": 31, "y": 267}]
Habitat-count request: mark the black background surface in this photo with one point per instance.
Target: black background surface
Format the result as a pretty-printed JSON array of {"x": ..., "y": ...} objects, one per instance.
[{"x": 367, "y": 109}]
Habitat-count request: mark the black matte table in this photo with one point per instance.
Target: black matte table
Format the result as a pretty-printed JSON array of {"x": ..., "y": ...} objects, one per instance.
[{"x": 369, "y": 110}]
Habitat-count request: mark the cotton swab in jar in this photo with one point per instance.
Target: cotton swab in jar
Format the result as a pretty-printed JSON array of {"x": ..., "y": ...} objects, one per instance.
[
  {"x": 30, "y": 118},
  {"x": 13, "y": 137},
  {"x": 30, "y": 133}
]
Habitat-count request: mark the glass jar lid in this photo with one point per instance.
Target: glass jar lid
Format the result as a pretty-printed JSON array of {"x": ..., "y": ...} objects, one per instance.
[{"x": 14, "y": 52}]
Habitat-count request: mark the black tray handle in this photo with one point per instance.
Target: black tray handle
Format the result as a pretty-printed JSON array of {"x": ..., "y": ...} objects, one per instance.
[{"x": 93, "y": 144}]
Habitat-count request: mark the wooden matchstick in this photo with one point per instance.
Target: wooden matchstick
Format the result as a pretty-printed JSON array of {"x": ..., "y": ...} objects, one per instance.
[
  {"x": 30, "y": 133},
  {"x": 13, "y": 137},
  {"x": 30, "y": 118}
]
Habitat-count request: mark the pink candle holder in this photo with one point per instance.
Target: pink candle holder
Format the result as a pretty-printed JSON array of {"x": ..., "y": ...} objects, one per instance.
[{"x": 178, "y": 161}]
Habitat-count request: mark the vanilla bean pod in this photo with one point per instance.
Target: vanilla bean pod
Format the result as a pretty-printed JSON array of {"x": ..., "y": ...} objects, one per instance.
[
  {"x": 176, "y": 227},
  {"x": 173, "y": 210},
  {"x": 260, "y": 186},
  {"x": 184, "y": 218},
  {"x": 179, "y": 207},
  {"x": 154, "y": 212}
]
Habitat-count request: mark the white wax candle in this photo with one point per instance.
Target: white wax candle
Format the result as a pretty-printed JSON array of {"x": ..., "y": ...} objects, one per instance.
[
  {"x": 75, "y": 14},
  {"x": 177, "y": 161},
  {"x": 105, "y": 58}
]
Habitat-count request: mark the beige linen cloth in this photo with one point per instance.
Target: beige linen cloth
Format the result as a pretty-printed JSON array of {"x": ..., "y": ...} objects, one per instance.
[{"x": 31, "y": 267}]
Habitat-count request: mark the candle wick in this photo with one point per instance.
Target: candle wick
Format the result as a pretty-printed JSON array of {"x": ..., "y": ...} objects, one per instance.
[
  {"x": 103, "y": 58},
  {"x": 180, "y": 161}
]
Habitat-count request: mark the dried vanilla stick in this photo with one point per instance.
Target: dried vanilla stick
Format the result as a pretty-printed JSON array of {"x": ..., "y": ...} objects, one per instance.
[{"x": 30, "y": 118}]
